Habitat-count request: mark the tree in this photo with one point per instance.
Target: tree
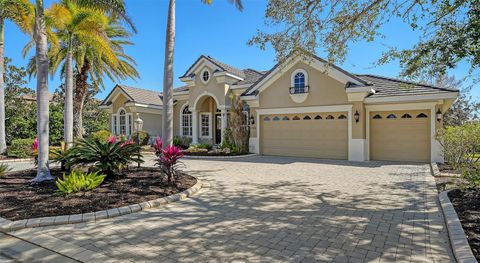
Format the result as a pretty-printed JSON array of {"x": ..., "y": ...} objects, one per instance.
[
  {"x": 450, "y": 30},
  {"x": 167, "y": 99},
  {"x": 464, "y": 109},
  {"x": 42, "y": 67},
  {"x": 20, "y": 12}
]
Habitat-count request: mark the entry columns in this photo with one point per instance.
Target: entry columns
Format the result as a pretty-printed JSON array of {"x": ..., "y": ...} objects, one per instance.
[
  {"x": 195, "y": 127},
  {"x": 224, "y": 123}
]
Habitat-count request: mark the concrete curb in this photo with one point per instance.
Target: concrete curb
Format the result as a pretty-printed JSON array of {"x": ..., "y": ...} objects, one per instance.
[
  {"x": 7, "y": 161},
  {"x": 8, "y": 225},
  {"x": 436, "y": 171},
  {"x": 458, "y": 240},
  {"x": 220, "y": 157}
]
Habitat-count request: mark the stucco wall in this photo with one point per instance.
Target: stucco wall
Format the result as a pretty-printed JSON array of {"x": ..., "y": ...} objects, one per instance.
[
  {"x": 177, "y": 108},
  {"x": 324, "y": 90},
  {"x": 219, "y": 90},
  {"x": 152, "y": 123},
  {"x": 358, "y": 128}
]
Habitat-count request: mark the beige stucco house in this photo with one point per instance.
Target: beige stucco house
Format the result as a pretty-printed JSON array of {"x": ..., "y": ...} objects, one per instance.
[{"x": 302, "y": 107}]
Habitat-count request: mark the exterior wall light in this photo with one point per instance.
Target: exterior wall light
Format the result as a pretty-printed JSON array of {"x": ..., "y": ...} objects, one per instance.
[
  {"x": 439, "y": 115},
  {"x": 356, "y": 116},
  {"x": 252, "y": 120}
]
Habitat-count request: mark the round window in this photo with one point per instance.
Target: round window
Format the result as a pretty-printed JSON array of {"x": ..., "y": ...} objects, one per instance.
[{"x": 205, "y": 76}]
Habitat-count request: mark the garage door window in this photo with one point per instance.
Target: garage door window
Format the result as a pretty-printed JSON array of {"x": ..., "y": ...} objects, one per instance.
[
  {"x": 318, "y": 117},
  {"x": 276, "y": 118},
  {"x": 377, "y": 117},
  {"x": 406, "y": 116},
  {"x": 330, "y": 117},
  {"x": 296, "y": 118},
  {"x": 266, "y": 119},
  {"x": 285, "y": 118},
  {"x": 307, "y": 118},
  {"x": 342, "y": 117},
  {"x": 391, "y": 116},
  {"x": 422, "y": 115}
]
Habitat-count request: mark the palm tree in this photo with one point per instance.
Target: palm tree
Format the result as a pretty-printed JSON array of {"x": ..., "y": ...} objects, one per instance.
[
  {"x": 20, "y": 12},
  {"x": 42, "y": 66},
  {"x": 168, "y": 70}
]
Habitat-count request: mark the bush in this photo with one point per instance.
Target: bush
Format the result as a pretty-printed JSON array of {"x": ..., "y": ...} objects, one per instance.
[
  {"x": 21, "y": 148},
  {"x": 169, "y": 162},
  {"x": 101, "y": 135},
  {"x": 78, "y": 181},
  {"x": 144, "y": 137},
  {"x": 183, "y": 142},
  {"x": 108, "y": 157},
  {"x": 471, "y": 179},
  {"x": 205, "y": 146},
  {"x": 4, "y": 168},
  {"x": 61, "y": 155},
  {"x": 461, "y": 145}
]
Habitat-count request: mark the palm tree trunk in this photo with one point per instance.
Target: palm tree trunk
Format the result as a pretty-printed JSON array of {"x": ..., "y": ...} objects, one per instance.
[
  {"x": 81, "y": 87},
  {"x": 40, "y": 35},
  {"x": 3, "y": 143},
  {"x": 168, "y": 77},
  {"x": 68, "y": 109}
]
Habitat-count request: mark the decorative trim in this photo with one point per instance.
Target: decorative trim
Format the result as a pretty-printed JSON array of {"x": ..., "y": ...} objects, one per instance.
[
  {"x": 7, "y": 225},
  {"x": 205, "y": 93},
  {"x": 209, "y": 75},
  {"x": 450, "y": 95},
  {"x": 458, "y": 240},
  {"x": 292, "y": 77}
]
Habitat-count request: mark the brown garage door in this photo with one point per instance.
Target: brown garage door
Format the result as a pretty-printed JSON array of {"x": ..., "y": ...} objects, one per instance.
[
  {"x": 321, "y": 135},
  {"x": 400, "y": 136}
]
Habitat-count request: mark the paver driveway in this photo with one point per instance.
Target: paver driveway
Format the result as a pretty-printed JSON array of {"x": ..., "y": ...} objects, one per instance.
[{"x": 275, "y": 209}]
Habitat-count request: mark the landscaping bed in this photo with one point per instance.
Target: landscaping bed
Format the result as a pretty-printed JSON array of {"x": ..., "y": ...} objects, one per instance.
[
  {"x": 213, "y": 154},
  {"x": 21, "y": 200},
  {"x": 467, "y": 206}
]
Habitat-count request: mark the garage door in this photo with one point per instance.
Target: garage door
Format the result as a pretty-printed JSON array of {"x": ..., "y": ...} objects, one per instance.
[
  {"x": 400, "y": 136},
  {"x": 321, "y": 135}
]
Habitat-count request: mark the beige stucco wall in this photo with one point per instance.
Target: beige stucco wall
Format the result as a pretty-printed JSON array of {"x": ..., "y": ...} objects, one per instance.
[
  {"x": 324, "y": 90},
  {"x": 219, "y": 90},
  {"x": 152, "y": 123},
  {"x": 177, "y": 108},
  {"x": 119, "y": 102}
]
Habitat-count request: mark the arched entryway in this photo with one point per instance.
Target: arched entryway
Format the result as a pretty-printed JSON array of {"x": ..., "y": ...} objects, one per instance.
[{"x": 209, "y": 120}]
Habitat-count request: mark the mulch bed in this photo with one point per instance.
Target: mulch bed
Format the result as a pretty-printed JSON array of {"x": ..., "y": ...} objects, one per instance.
[
  {"x": 446, "y": 168},
  {"x": 21, "y": 200},
  {"x": 467, "y": 206}
]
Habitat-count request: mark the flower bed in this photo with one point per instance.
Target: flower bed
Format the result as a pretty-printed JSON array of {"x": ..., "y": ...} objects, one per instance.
[
  {"x": 467, "y": 206},
  {"x": 21, "y": 200}
]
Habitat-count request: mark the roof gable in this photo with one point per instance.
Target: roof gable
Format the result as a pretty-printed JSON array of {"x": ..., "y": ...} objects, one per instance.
[{"x": 215, "y": 64}]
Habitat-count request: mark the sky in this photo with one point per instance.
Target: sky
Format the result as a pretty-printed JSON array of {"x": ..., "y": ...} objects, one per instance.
[{"x": 220, "y": 31}]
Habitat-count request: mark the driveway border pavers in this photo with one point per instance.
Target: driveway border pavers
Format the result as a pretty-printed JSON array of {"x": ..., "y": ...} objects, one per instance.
[
  {"x": 8, "y": 225},
  {"x": 458, "y": 240}
]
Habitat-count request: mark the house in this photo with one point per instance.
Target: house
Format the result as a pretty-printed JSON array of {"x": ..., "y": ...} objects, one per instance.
[{"x": 302, "y": 107}]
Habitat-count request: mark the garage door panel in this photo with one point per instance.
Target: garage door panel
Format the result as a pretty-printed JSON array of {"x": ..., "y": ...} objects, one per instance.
[
  {"x": 305, "y": 137},
  {"x": 400, "y": 139}
]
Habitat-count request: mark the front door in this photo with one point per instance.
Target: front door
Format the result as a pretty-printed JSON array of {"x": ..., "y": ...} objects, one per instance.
[{"x": 218, "y": 128}]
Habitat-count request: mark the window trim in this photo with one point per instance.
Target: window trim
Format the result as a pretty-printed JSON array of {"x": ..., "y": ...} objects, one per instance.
[
  {"x": 209, "y": 76},
  {"x": 295, "y": 72},
  {"x": 181, "y": 120},
  {"x": 118, "y": 121},
  {"x": 114, "y": 124},
  {"x": 209, "y": 114}
]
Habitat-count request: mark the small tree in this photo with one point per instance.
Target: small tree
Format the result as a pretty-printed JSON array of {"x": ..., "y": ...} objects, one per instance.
[
  {"x": 240, "y": 132},
  {"x": 461, "y": 145}
]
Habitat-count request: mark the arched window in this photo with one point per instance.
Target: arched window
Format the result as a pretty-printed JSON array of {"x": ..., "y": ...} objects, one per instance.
[
  {"x": 318, "y": 117},
  {"x": 285, "y": 118},
  {"x": 406, "y": 116},
  {"x": 186, "y": 121},
  {"x": 307, "y": 118},
  {"x": 391, "y": 116},
  {"x": 276, "y": 118},
  {"x": 422, "y": 115},
  {"x": 342, "y": 117},
  {"x": 330, "y": 117},
  {"x": 299, "y": 81},
  {"x": 205, "y": 76},
  {"x": 296, "y": 118},
  {"x": 122, "y": 116},
  {"x": 377, "y": 116},
  {"x": 266, "y": 119}
]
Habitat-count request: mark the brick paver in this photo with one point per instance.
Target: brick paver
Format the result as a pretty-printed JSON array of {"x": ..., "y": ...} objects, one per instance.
[{"x": 275, "y": 209}]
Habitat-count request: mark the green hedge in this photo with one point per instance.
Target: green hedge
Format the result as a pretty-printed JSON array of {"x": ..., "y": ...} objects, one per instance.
[
  {"x": 101, "y": 135},
  {"x": 21, "y": 148}
]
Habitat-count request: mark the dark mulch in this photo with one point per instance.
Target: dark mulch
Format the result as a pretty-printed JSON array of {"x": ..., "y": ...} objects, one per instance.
[
  {"x": 213, "y": 154},
  {"x": 20, "y": 200},
  {"x": 446, "y": 168},
  {"x": 467, "y": 205}
]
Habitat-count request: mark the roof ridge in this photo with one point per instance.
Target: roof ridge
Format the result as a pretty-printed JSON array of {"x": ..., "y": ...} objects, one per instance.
[
  {"x": 131, "y": 87},
  {"x": 406, "y": 82}
]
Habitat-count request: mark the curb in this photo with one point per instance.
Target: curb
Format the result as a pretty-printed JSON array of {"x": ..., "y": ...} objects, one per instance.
[
  {"x": 458, "y": 240},
  {"x": 436, "y": 172},
  {"x": 16, "y": 160},
  {"x": 8, "y": 225},
  {"x": 219, "y": 157}
]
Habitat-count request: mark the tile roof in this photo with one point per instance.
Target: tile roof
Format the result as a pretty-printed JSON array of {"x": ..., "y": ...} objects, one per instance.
[
  {"x": 145, "y": 96},
  {"x": 227, "y": 68},
  {"x": 388, "y": 87},
  {"x": 251, "y": 76}
]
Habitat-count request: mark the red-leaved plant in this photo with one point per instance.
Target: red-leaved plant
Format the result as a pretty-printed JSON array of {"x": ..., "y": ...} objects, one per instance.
[{"x": 168, "y": 159}]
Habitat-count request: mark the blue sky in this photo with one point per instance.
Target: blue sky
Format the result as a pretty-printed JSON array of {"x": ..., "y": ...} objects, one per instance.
[{"x": 222, "y": 32}]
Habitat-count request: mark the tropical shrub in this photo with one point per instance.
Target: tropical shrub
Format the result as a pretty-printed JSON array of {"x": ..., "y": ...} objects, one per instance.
[
  {"x": 239, "y": 126},
  {"x": 143, "y": 136},
  {"x": 61, "y": 155},
  {"x": 108, "y": 157},
  {"x": 101, "y": 135},
  {"x": 21, "y": 148},
  {"x": 182, "y": 142},
  {"x": 170, "y": 163},
  {"x": 4, "y": 168},
  {"x": 196, "y": 149},
  {"x": 157, "y": 146},
  {"x": 461, "y": 145},
  {"x": 205, "y": 146},
  {"x": 78, "y": 181}
]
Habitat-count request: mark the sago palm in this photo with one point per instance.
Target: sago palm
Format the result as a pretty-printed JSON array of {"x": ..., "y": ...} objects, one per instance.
[
  {"x": 42, "y": 66},
  {"x": 21, "y": 13},
  {"x": 167, "y": 133}
]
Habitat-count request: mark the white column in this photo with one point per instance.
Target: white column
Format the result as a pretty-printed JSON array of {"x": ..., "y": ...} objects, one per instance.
[
  {"x": 194, "y": 127},
  {"x": 224, "y": 123}
]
